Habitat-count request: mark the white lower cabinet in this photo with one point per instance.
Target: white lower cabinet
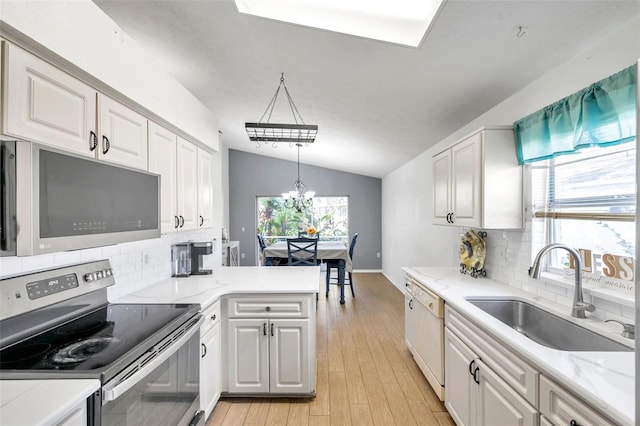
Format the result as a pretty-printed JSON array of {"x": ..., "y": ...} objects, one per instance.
[
  {"x": 545, "y": 422},
  {"x": 408, "y": 317},
  {"x": 459, "y": 383},
  {"x": 475, "y": 395},
  {"x": 266, "y": 354},
  {"x": 499, "y": 404},
  {"x": 77, "y": 416},
  {"x": 562, "y": 408},
  {"x": 487, "y": 384},
  {"x": 210, "y": 360},
  {"x": 269, "y": 356}
]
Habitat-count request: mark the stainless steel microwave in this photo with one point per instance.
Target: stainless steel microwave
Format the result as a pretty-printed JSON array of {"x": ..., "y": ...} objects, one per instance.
[{"x": 55, "y": 201}]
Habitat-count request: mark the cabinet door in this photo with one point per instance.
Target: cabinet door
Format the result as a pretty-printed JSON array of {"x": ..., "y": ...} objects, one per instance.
[
  {"x": 205, "y": 189},
  {"x": 289, "y": 356},
  {"x": 187, "y": 184},
  {"x": 466, "y": 181},
  {"x": 499, "y": 404},
  {"x": 562, "y": 407},
  {"x": 77, "y": 416},
  {"x": 210, "y": 380},
  {"x": 248, "y": 356},
  {"x": 461, "y": 389},
  {"x": 408, "y": 319},
  {"x": 46, "y": 105},
  {"x": 122, "y": 134},
  {"x": 162, "y": 160},
  {"x": 441, "y": 187}
]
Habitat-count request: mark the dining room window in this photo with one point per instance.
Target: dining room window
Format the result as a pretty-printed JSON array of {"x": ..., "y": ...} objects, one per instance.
[{"x": 328, "y": 215}]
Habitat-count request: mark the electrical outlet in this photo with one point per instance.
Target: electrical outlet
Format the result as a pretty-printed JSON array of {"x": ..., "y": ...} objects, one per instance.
[
  {"x": 243, "y": 229},
  {"x": 378, "y": 255},
  {"x": 242, "y": 254}
]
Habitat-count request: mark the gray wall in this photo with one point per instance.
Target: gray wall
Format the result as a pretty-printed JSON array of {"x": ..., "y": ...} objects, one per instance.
[{"x": 252, "y": 175}]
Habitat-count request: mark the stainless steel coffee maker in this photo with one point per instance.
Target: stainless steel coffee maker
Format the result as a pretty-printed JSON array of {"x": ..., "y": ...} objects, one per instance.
[
  {"x": 198, "y": 251},
  {"x": 181, "y": 260}
]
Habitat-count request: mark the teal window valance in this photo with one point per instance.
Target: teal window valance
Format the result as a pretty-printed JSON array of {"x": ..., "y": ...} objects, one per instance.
[{"x": 599, "y": 115}]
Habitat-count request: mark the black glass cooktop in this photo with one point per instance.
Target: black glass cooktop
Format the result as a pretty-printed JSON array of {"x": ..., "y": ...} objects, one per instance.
[{"x": 94, "y": 340}]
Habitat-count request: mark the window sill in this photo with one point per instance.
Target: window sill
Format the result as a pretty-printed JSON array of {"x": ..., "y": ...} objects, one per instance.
[{"x": 592, "y": 290}]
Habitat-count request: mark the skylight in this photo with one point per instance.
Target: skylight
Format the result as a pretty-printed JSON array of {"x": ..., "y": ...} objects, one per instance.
[{"x": 400, "y": 21}]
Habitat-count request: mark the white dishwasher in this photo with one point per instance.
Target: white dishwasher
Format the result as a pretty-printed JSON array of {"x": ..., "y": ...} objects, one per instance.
[{"x": 427, "y": 335}]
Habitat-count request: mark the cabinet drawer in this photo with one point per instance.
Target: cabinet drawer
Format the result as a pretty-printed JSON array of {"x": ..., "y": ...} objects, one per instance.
[
  {"x": 560, "y": 407},
  {"x": 285, "y": 306},
  {"x": 518, "y": 374},
  {"x": 211, "y": 317}
]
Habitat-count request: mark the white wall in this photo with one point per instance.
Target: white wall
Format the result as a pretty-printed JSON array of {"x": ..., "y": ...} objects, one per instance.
[{"x": 409, "y": 238}]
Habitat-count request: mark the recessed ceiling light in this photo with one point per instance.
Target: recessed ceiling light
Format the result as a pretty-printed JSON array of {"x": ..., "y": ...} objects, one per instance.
[{"x": 400, "y": 21}]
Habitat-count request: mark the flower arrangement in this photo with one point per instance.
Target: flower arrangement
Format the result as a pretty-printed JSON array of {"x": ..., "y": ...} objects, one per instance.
[{"x": 311, "y": 231}]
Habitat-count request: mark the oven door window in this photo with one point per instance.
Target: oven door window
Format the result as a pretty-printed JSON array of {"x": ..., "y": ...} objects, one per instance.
[{"x": 168, "y": 395}]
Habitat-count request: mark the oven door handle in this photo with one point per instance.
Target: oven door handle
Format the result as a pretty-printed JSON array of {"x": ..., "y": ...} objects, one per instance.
[{"x": 111, "y": 392}]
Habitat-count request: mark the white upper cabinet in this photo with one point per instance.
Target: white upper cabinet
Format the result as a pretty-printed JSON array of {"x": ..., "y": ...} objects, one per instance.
[
  {"x": 187, "y": 180},
  {"x": 477, "y": 182},
  {"x": 44, "y": 104},
  {"x": 187, "y": 184},
  {"x": 122, "y": 134},
  {"x": 162, "y": 160},
  {"x": 205, "y": 189}
]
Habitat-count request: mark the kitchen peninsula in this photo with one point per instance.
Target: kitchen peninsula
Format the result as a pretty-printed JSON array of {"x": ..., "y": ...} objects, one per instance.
[{"x": 258, "y": 337}]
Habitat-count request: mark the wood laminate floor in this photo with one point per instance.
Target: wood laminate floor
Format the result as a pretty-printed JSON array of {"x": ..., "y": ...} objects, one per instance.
[{"x": 365, "y": 374}]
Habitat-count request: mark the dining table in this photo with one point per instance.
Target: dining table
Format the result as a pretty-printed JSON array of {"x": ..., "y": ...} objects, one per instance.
[{"x": 327, "y": 250}]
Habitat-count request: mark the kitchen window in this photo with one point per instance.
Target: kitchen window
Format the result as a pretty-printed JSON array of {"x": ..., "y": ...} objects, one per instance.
[
  {"x": 329, "y": 215},
  {"x": 588, "y": 201}
]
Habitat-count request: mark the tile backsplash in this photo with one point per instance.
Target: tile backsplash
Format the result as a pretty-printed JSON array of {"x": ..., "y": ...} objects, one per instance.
[
  {"x": 509, "y": 254},
  {"x": 135, "y": 264}
]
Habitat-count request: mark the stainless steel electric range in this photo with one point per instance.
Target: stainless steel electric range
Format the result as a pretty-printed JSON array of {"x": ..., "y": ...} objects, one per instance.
[{"x": 58, "y": 324}]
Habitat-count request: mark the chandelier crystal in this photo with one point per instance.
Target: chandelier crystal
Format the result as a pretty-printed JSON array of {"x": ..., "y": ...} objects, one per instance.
[{"x": 298, "y": 198}]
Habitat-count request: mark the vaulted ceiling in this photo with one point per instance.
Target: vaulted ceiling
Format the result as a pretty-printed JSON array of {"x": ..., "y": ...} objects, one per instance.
[{"x": 377, "y": 104}]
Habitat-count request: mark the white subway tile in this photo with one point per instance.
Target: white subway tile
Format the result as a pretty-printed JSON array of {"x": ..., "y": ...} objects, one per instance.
[
  {"x": 34, "y": 263},
  {"x": 67, "y": 257},
  {"x": 10, "y": 266}
]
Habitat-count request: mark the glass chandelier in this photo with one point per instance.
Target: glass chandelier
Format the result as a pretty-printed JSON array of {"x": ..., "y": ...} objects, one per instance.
[{"x": 298, "y": 198}]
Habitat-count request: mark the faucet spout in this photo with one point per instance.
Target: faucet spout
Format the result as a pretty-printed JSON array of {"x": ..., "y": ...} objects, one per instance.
[{"x": 579, "y": 305}]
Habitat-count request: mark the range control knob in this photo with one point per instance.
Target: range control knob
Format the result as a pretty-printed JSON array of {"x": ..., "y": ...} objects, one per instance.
[
  {"x": 107, "y": 272},
  {"x": 90, "y": 277}
]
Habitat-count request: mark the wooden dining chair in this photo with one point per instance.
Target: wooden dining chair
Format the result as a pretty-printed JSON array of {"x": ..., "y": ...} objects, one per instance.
[
  {"x": 333, "y": 264},
  {"x": 302, "y": 251}
]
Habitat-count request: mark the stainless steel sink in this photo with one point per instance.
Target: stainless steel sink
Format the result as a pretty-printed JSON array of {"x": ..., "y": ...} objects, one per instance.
[{"x": 546, "y": 328}]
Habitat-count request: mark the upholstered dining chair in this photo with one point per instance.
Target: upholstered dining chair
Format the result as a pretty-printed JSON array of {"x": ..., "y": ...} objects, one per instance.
[
  {"x": 302, "y": 251},
  {"x": 333, "y": 264}
]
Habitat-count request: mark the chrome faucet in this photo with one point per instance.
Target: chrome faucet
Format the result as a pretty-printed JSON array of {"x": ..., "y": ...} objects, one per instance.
[{"x": 579, "y": 305}]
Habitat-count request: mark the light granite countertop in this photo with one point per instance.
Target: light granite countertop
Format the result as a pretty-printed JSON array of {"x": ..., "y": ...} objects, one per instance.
[
  {"x": 605, "y": 380},
  {"x": 206, "y": 289}
]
